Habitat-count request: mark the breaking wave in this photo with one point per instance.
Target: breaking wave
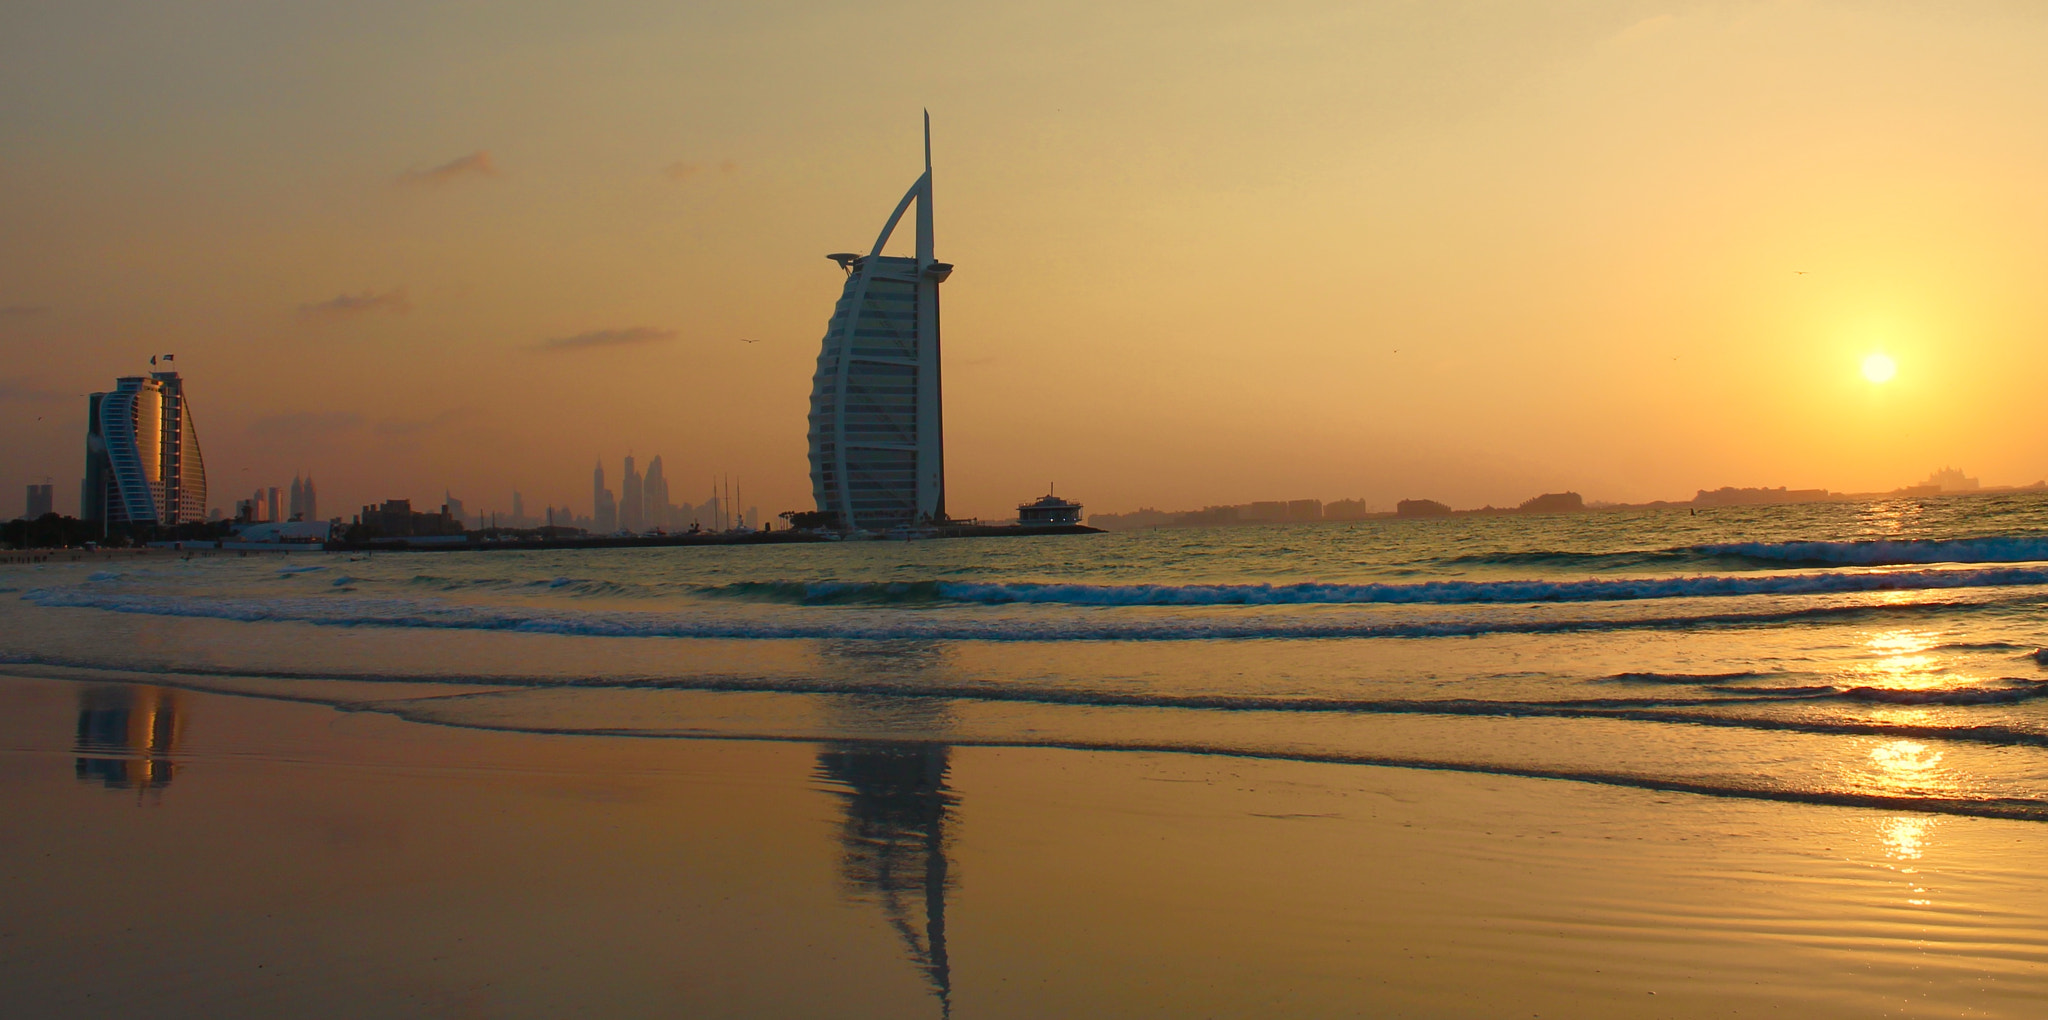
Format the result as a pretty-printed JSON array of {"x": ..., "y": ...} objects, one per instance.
[
  {"x": 911, "y": 593},
  {"x": 1774, "y": 555},
  {"x": 883, "y": 625},
  {"x": 1889, "y": 552},
  {"x": 443, "y": 710},
  {"x": 1737, "y": 712}
]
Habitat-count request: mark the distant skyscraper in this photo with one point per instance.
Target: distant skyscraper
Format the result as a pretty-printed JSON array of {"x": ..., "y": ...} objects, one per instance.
[
  {"x": 297, "y": 499},
  {"x": 654, "y": 495},
  {"x": 312, "y": 507},
  {"x": 142, "y": 459},
  {"x": 876, "y": 445},
  {"x": 41, "y": 500},
  {"x": 604, "y": 512},
  {"x": 456, "y": 511},
  {"x": 632, "y": 501},
  {"x": 518, "y": 509},
  {"x": 274, "y": 502}
]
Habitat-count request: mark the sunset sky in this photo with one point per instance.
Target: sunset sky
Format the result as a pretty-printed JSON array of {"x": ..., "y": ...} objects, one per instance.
[{"x": 1207, "y": 252}]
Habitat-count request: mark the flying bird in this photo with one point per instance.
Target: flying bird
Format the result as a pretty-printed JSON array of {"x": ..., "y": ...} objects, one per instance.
[
  {"x": 1799, "y": 272},
  {"x": 744, "y": 340}
]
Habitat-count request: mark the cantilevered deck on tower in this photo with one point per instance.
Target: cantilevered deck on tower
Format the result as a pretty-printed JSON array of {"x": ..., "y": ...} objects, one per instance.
[{"x": 878, "y": 456}]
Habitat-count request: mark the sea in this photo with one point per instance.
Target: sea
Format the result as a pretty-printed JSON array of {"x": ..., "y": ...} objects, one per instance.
[{"x": 1885, "y": 654}]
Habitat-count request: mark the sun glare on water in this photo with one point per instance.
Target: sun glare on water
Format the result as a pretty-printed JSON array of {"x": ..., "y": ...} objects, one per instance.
[{"x": 1879, "y": 368}]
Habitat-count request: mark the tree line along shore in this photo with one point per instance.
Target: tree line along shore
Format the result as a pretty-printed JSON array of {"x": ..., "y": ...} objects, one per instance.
[{"x": 1310, "y": 511}]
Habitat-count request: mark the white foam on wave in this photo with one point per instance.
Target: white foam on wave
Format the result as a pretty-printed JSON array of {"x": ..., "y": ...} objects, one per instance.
[
  {"x": 1427, "y": 592},
  {"x": 873, "y": 624}
]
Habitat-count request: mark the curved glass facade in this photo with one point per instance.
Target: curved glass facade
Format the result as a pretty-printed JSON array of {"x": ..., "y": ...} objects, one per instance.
[
  {"x": 877, "y": 443},
  {"x": 142, "y": 459}
]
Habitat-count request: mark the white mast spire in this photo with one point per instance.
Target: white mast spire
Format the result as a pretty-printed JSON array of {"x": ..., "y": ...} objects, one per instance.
[{"x": 924, "y": 201}]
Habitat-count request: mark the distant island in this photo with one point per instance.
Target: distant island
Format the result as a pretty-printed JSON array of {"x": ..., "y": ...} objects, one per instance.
[{"x": 1946, "y": 482}]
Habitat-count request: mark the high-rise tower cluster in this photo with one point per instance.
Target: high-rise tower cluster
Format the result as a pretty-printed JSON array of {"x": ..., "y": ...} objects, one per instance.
[
  {"x": 305, "y": 502},
  {"x": 642, "y": 504}
]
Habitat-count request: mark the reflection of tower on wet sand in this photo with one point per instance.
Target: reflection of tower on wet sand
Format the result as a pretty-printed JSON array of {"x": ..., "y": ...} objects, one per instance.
[
  {"x": 126, "y": 735},
  {"x": 893, "y": 842},
  {"x": 880, "y": 665},
  {"x": 893, "y": 837}
]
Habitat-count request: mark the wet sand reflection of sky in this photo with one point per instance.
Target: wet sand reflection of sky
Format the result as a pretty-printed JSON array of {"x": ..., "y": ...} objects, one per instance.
[{"x": 1905, "y": 840}]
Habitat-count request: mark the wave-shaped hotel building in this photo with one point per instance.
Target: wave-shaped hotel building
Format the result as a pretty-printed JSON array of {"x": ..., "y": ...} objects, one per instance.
[
  {"x": 877, "y": 444},
  {"x": 142, "y": 460}
]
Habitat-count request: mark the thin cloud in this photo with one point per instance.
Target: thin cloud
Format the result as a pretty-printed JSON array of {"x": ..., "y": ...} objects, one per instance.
[
  {"x": 476, "y": 164},
  {"x": 418, "y": 426},
  {"x": 305, "y": 425},
  {"x": 685, "y": 170},
  {"x": 22, "y": 311},
  {"x": 608, "y": 338},
  {"x": 1643, "y": 29},
  {"x": 349, "y": 306}
]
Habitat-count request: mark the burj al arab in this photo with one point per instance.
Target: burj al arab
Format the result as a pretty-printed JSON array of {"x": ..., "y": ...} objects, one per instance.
[{"x": 877, "y": 442}]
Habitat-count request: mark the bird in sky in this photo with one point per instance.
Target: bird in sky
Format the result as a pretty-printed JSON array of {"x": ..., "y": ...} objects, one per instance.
[
  {"x": 744, "y": 340},
  {"x": 1799, "y": 272}
]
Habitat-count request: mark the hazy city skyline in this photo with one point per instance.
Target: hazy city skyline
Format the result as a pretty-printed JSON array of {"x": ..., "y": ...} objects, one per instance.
[{"x": 1306, "y": 251}]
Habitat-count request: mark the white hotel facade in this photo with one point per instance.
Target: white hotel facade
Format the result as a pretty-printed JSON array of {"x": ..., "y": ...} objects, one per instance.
[{"x": 877, "y": 444}]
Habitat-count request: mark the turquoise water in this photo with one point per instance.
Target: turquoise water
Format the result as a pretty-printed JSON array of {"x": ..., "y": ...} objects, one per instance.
[{"x": 1877, "y": 653}]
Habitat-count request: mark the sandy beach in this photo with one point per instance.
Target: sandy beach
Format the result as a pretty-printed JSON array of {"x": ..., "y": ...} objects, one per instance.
[{"x": 179, "y": 853}]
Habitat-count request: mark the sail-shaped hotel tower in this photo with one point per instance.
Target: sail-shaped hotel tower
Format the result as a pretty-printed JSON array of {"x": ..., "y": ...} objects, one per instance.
[
  {"x": 142, "y": 460},
  {"x": 878, "y": 455}
]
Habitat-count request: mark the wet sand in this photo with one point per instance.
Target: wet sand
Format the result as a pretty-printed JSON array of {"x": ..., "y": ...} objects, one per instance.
[{"x": 176, "y": 853}]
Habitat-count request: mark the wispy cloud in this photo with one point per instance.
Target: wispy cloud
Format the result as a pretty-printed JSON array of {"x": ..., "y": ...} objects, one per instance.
[
  {"x": 476, "y": 164},
  {"x": 22, "y": 311},
  {"x": 1643, "y": 29},
  {"x": 608, "y": 338},
  {"x": 418, "y": 426},
  {"x": 684, "y": 170},
  {"x": 349, "y": 306},
  {"x": 304, "y": 425}
]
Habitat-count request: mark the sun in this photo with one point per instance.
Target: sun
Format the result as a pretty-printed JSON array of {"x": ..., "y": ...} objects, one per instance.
[{"x": 1879, "y": 368}]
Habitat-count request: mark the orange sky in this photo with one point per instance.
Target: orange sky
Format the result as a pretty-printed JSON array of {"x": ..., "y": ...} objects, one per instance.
[{"x": 1207, "y": 253}]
